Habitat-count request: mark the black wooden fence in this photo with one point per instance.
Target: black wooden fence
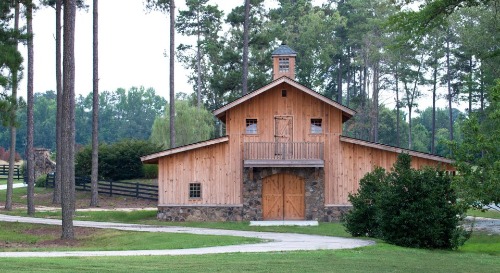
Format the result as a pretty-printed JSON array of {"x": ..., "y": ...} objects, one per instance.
[
  {"x": 4, "y": 170},
  {"x": 137, "y": 190}
]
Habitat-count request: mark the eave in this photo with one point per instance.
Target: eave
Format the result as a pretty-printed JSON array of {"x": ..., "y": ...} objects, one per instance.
[
  {"x": 395, "y": 149},
  {"x": 153, "y": 158}
]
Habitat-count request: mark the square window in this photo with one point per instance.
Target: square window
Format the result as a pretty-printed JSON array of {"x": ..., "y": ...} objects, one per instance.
[
  {"x": 251, "y": 127},
  {"x": 283, "y": 93},
  {"x": 316, "y": 126},
  {"x": 194, "y": 190},
  {"x": 284, "y": 64}
]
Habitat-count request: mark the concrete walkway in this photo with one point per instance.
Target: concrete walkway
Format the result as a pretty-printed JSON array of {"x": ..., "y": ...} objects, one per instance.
[
  {"x": 15, "y": 185},
  {"x": 275, "y": 241}
]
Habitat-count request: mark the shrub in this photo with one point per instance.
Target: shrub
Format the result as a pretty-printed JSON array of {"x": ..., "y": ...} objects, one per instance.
[
  {"x": 408, "y": 207},
  {"x": 361, "y": 220},
  {"x": 150, "y": 171},
  {"x": 120, "y": 160},
  {"x": 41, "y": 180}
]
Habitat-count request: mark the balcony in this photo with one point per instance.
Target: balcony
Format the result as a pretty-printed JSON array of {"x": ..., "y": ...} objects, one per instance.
[{"x": 283, "y": 154}]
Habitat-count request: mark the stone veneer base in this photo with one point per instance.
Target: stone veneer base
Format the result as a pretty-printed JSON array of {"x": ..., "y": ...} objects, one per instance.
[{"x": 232, "y": 213}]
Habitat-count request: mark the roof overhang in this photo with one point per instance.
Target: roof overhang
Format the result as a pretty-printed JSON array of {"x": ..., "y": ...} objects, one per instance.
[
  {"x": 346, "y": 111},
  {"x": 153, "y": 158},
  {"x": 395, "y": 149}
]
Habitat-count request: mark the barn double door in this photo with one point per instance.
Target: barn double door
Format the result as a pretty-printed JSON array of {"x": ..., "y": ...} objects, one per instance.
[{"x": 283, "y": 197}]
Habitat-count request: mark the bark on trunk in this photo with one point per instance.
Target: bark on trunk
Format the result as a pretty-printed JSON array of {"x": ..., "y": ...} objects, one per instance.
[
  {"x": 56, "y": 198},
  {"x": 30, "y": 126},
  {"x": 12, "y": 155},
  {"x": 94, "y": 200},
  {"x": 396, "y": 78},
  {"x": 374, "y": 115},
  {"x": 339, "y": 82},
  {"x": 448, "y": 82},
  {"x": 172, "y": 74},
  {"x": 246, "y": 26},
  {"x": 433, "y": 129},
  {"x": 68, "y": 122}
]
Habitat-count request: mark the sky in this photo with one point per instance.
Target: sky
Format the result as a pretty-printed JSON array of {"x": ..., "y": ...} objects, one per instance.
[{"x": 132, "y": 49}]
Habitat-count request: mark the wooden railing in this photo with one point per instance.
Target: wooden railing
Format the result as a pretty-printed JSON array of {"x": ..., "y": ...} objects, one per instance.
[
  {"x": 4, "y": 171},
  {"x": 283, "y": 151},
  {"x": 137, "y": 190}
]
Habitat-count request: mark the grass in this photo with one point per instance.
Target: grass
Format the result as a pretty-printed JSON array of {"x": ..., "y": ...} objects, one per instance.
[
  {"x": 34, "y": 237},
  {"x": 378, "y": 258},
  {"x": 487, "y": 214},
  {"x": 480, "y": 254},
  {"x": 3, "y": 181}
]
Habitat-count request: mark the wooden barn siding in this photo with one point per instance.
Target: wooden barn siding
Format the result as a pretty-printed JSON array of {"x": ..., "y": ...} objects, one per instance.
[
  {"x": 209, "y": 166},
  {"x": 355, "y": 161},
  {"x": 303, "y": 108}
]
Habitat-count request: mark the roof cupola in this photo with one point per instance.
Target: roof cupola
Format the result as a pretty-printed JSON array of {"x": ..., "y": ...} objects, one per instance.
[{"x": 284, "y": 62}]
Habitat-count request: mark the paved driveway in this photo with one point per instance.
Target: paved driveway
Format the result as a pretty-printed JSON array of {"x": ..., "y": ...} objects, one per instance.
[{"x": 275, "y": 241}]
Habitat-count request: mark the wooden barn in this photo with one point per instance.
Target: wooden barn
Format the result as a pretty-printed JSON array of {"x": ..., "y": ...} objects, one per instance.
[{"x": 283, "y": 157}]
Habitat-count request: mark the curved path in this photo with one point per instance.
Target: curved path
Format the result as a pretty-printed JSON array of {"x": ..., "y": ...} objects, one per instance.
[{"x": 276, "y": 241}]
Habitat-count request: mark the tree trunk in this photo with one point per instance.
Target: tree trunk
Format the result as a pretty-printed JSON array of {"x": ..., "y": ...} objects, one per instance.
[
  {"x": 396, "y": 78},
  {"x": 172, "y": 74},
  {"x": 198, "y": 63},
  {"x": 448, "y": 82},
  {"x": 30, "y": 100},
  {"x": 374, "y": 110},
  {"x": 246, "y": 26},
  {"x": 56, "y": 198},
  {"x": 348, "y": 77},
  {"x": 433, "y": 129},
  {"x": 470, "y": 86},
  {"x": 339, "y": 82},
  {"x": 94, "y": 200},
  {"x": 68, "y": 122},
  {"x": 12, "y": 120}
]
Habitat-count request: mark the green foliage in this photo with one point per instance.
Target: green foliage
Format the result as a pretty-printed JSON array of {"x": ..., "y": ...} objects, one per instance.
[
  {"x": 361, "y": 220},
  {"x": 478, "y": 156},
  {"x": 120, "y": 160},
  {"x": 150, "y": 171},
  {"x": 408, "y": 207},
  {"x": 41, "y": 180},
  {"x": 192, "y": 125}
]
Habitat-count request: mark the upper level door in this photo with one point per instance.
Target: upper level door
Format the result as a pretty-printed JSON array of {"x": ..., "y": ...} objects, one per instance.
[{"x": 283, "y": 133}]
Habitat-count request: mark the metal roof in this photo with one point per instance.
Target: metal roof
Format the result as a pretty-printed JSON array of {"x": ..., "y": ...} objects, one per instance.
[{"x": 283, "y": 50}]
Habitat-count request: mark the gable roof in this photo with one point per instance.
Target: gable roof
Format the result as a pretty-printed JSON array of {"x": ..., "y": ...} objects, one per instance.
[
  {"x": 347, "y": 112},
  {"x": 153, "y": 158}
]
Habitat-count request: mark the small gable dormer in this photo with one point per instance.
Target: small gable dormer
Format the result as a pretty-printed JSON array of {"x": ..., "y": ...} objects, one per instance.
[{"x": 284, "y": 62}]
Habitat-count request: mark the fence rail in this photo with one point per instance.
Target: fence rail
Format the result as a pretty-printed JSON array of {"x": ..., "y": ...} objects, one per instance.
[
  {"x": 283, "y": 150},
  {"x": 4, "y": 170},
  {"x": 130, "y": 189}
]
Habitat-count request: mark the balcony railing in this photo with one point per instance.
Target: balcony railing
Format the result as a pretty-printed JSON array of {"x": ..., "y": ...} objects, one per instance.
[{"x": 289, "y": 151}]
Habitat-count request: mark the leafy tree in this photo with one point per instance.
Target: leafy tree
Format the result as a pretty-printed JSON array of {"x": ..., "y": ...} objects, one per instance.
[
  {"x": 395, "y": 206},
  {"x": 192, "y": 125},
  {"x": 478, "y": 155},
  {"x": 204, "y": 22},
  {"x": 117, "y": 161}
]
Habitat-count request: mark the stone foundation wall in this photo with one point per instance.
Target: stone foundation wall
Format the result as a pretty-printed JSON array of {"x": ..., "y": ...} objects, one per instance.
[
  {"x": 199, "y": 213},
  {"x": 334, "y": 213}
]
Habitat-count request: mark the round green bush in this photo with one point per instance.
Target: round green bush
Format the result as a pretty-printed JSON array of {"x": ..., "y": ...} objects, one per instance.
[{"x": 40, "y": 181}]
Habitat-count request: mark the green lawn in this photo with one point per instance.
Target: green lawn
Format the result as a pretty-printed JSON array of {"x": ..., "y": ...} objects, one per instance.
[
  {"x": 378, "y": 258},
  {"x": 480, "y": 254},
  {"x": 3, "y": 180},
  {"x": 488, "y": 213},
  {"x": 33, "y": 237}
]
